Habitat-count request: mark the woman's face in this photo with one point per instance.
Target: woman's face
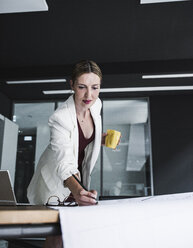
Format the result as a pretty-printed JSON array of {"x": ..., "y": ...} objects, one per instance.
[{"x": 86, "y": 89}]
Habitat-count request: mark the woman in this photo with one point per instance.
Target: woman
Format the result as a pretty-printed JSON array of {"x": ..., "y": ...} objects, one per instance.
[{"x": 74, "y": 143}]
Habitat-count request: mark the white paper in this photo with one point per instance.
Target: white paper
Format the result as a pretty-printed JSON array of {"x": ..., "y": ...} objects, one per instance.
[
  {"x": 13, "y": 6},
  {"x": 156, "y": 222}
]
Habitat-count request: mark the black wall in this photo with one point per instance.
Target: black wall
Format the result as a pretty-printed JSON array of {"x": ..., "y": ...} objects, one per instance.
[
  {"x": 172, "y": 143},
  {"x": 5, "y": 106}
]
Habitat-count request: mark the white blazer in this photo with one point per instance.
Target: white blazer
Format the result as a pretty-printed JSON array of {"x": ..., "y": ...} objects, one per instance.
[{"x": 60, "y": 159}]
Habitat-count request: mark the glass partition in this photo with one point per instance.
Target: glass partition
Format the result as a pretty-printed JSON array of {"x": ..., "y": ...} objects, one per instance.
[{"x": 123, "y": 172}]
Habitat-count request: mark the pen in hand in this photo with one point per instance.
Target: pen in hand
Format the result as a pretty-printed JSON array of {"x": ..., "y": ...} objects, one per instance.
[{"x": 83, "y": 186}]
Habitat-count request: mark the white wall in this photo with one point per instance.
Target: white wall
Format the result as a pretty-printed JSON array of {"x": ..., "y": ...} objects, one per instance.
[{"x": 8, "y": 147}]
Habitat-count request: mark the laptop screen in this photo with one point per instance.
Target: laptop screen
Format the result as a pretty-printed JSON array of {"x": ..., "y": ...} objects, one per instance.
[{"x": 7, "y": 195}]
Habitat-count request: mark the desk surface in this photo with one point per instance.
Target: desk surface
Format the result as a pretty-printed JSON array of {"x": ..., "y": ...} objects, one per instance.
[
  {"x": 28, "y": 215},
  {"x": 28, "y": 221}
]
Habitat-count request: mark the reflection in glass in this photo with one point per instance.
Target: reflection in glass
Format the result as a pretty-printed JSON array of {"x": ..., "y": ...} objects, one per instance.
[{"x": 126, "y": 170}]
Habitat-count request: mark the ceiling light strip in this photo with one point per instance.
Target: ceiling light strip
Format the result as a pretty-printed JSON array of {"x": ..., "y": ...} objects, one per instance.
[
  {"x": 156, "y": 88},
  {"x": 159, "y": 1},
  {"x": 56, "y": 92},
  {"x": 185, "y": 75},
  {"x": 128, "y": 89},
  {"x": 19, "y": 6},
  {"x": 63, "y": 80}
]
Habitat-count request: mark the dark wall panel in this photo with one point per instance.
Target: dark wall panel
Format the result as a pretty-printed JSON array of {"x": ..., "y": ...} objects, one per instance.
[
  {"x": 172, "y": 143},
  {"x": 5, "y": 106}
]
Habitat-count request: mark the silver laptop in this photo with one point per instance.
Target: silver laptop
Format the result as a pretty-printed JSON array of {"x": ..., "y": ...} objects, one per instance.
[{"x": 7, "y": 195}]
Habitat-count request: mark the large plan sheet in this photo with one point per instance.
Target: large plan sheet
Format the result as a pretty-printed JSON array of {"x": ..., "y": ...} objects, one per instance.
[{"x": 150, "y": 222}]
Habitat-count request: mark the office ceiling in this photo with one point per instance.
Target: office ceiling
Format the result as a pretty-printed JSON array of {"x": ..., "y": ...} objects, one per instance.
[{"x": 125, "y": 38}]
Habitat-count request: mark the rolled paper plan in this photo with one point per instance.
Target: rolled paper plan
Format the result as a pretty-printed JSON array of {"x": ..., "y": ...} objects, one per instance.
[{"x": 112, "y": 138}]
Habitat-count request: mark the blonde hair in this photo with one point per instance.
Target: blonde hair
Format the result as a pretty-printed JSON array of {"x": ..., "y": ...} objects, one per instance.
[{"x": 85, "y": 66}]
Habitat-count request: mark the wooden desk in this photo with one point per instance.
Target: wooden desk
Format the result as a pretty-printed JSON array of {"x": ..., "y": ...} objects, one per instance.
[{"x": 28, "y": 221}]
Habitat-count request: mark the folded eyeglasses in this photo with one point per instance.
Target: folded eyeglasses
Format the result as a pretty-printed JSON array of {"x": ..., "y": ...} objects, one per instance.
[{"x": 55, "y": 201}]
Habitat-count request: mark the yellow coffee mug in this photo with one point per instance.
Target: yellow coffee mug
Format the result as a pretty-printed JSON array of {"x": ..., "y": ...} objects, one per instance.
[{"x": 112, "y": 138}]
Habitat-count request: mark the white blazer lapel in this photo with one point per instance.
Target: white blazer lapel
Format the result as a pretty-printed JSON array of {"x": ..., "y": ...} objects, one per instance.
[
  {"x": 72, "y": 110},
  {"x": 95, "y": 112}
]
